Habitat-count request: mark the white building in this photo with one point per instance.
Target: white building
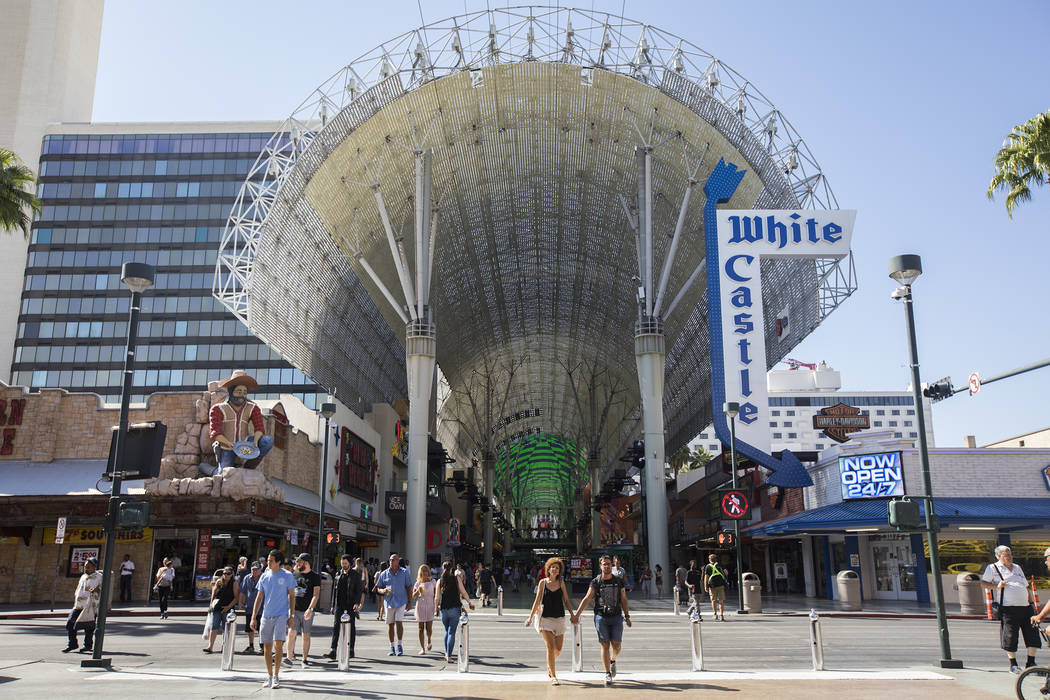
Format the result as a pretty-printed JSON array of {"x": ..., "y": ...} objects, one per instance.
[{"x": 797, "y": 395}]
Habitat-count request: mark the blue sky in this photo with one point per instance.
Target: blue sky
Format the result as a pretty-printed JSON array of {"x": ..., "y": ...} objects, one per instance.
[{"x": 903, "y": 104}]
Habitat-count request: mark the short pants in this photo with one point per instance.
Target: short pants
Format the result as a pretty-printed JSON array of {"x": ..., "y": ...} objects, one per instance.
[
  {"x": 273, "y": 629},
  {"x": 717, "y": 593},
  {"x": 395, "y": 613},
  {"x": 302, "y": 625},
  {"x": 610, "y": 629}
]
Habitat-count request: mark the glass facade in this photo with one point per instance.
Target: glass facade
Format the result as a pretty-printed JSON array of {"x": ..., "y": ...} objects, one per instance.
[{"x": 162, "y": 199}]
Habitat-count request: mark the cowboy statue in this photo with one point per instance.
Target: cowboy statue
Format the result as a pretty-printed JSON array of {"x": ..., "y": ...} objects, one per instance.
[{"x": 236, "y": 426}]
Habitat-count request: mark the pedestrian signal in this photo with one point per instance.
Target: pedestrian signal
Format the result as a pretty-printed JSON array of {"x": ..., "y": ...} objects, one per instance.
[
  {"x": 725, "y": 539},
  {"x": 331, "y": 538}
]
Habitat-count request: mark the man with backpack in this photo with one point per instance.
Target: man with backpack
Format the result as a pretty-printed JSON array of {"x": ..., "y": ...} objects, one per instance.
[
  {"x": 694, "y": 580},
  {"x": 715, "y": 582},
  {"x": 611, "y": 611}
]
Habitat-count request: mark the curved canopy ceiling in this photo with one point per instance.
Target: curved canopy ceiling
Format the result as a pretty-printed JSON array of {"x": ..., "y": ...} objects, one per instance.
[{"x": 533, "y": 117}]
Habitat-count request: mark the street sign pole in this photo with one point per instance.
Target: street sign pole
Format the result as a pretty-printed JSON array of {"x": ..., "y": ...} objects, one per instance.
[
  {"x": 736, "y": 523},
  {"x": 60, "y": 537}
]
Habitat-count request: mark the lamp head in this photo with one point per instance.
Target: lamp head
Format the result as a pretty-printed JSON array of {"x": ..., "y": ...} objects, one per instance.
[
  {"x": 327, "y": 410},
  {"x": 731, "y": 409},
  {"x": 905, "y": 268},
  {"x": 138, "y": 277}
]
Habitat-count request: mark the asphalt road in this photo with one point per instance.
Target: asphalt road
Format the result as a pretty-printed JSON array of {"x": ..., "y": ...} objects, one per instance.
[{"x": 759, "y": 654}]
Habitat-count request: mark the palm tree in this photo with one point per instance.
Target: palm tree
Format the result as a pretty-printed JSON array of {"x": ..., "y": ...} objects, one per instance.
[
  {"x": 17, "y": 201},
  {"x": 1023, "y": 160}
]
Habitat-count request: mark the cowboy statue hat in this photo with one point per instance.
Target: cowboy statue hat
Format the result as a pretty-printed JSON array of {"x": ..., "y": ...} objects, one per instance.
[{"x": 240, "y": 378}]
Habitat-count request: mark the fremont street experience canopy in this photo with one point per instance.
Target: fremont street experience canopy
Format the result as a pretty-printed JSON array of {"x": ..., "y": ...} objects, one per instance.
[{"x": 513, "y": 194}]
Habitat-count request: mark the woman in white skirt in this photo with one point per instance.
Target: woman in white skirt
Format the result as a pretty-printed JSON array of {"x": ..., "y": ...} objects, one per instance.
[{"x": 552, "y": 600}]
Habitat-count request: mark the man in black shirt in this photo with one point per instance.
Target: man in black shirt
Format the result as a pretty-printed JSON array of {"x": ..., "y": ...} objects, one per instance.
[
  {"x": 307, "y": 593},
  {"x": 610, "y": 612},
  {"x": 694, "y": 580},
  {"x": 348, "y": 595}
]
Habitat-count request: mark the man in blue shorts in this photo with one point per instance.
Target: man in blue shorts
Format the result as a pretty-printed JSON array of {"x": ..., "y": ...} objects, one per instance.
[
  {"x": 276, "y": 599},
  {"x": 395, "y": 584},
  {"x": 610, "y": 612}
]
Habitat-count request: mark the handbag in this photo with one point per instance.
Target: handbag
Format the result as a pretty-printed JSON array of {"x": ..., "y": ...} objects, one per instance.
[
  {"x": 997, "y": 607},
  {"x": 214, "y": 605},
  {"x": 536, "y": 619}
]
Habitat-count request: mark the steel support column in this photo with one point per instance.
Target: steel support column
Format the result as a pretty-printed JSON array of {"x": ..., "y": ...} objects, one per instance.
[
  {"x": 594, "y": 469},
  {"x": 488, "y": 472},
  {"x": 420, "y": 344},
  {"x": 650, "y": 357}
]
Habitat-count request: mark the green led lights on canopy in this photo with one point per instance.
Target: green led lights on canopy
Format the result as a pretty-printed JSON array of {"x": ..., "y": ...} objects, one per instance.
[{"x": 542, "y": 469}]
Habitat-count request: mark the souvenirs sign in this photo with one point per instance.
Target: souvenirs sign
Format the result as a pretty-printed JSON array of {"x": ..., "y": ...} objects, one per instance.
[{"x": 736, "y": 243}]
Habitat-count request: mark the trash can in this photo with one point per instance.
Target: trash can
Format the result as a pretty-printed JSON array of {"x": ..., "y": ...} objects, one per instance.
[
  {"x": 848, "y": 584},
  {"x": 971, "y": 597},
  {"x": 324, "y": 600},
  {"x": 752, "y": 593}
]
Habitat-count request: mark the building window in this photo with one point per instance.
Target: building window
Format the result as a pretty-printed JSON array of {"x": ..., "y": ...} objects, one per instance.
[
  {"x": 777, "y": 436},
  {"x": 911, "y": 412},
  {"x": 877, "y": 424},
  {"x": 820, "y": 446},
  {"x": 713, "y": 447},
  {"x": 895, "y": 412},
  {"x": 772, "y": 424},
  {"x": 880, "y": 413},
  {"x": 789, "y": 413},
  {"x": 907, "y": 423},
  {"x": 792, "y": 436},
  {"x": 893, "y": 424},
  {"x": 914, "y": 435},
  {"x": 897, "y": 435},
  {"x": 774, "y": 413}
]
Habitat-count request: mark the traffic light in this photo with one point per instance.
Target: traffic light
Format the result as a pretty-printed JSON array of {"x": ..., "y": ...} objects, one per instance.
[
  {"x": 332, "y": 537},
  {"x": 726, "y": 539},
  {"x": 940, "y": 389}
]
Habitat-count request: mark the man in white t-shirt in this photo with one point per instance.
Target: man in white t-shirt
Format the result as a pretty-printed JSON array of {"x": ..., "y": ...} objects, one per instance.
[
  {"x": 1010, "y": 590},
  {"x": 127, "y": 568}
]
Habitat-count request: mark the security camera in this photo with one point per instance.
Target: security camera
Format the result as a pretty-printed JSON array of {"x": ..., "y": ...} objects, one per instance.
[{"x": 899, "y": 293}]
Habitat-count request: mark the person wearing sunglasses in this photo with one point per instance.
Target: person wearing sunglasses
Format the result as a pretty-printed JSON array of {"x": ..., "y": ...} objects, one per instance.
[{"x": 224, "y": 595}]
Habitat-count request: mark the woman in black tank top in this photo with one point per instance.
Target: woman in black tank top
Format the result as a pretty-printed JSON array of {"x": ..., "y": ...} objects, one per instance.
[
  {"x": 553, "y": 597},
  {"x": 447, "y": 596}
]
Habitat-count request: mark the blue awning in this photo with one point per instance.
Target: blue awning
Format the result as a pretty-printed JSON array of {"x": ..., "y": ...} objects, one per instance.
[{"x": 1003, "y": 513}]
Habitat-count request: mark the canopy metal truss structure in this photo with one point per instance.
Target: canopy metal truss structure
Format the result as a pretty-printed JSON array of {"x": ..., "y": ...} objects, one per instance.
[{"x": 472, "y": 190}]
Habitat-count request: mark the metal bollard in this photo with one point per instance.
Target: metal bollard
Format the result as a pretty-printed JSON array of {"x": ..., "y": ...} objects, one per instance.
[
  {"x": 464, "y": 643},
  {"x": 343, "y": 654},
  {"x": 577, "y": 648},
  {"x": 677, "y": 605},
  {"x": 816, "y": 641},
  {"x": 499, "y": 600},
  {"x": 698, "y": 642},
  {"x": 229, "y": 639}
]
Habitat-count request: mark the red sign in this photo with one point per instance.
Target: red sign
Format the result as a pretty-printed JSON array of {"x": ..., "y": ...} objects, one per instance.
[
  {"x": 357, "y": 466},
  {"x": 10, "y": 414},
  {"x": 433, "y": 539},
  {"x": 203, "y": 550},
  {"x": 735, "y": 505}
]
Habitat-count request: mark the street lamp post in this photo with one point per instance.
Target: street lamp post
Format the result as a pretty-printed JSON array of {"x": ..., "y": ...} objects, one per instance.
[
  {"x": 327, "y": 410},
  {"x": 138, "y": 277},
  {"x": 732, "y": 409},
  {"x": 905, "y": 269}
]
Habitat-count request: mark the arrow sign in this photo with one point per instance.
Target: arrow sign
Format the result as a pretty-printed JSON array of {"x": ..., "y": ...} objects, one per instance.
[{"x": 735, "y": 243}]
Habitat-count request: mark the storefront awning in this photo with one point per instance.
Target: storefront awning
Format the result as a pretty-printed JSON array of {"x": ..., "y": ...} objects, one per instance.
[
  {"x": 62, "y": 477},
  {"x": 1001, "y": 513}
]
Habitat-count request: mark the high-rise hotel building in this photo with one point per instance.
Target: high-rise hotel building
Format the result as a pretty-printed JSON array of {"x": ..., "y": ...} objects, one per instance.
[{"x": 154, "y": 193}]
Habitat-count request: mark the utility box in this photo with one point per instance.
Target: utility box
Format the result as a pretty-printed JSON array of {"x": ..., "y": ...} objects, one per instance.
[{"x": 904, "y": 515}]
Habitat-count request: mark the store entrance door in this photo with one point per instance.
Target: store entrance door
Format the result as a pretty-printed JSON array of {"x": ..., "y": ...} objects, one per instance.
[{"x": 894, "y": 569}]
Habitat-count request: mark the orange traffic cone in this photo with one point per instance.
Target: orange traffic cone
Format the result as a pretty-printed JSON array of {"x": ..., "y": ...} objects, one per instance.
[
  {"x": 988, "y": 602},
  {"x": 1035, "y": 593}
]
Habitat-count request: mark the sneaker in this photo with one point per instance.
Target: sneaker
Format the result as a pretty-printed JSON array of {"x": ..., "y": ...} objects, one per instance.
[
  {"x": 400, "y": 651},
  {"x": 612, "y": 669},
  {"x": 249, "y": 650},
  {"x": 69, "y": 648},
  {"x": 276, "y": 682},
  {"x": 305, "y": 662},
  {"x": 331, "y": 655},
  {"x": 391, "y": 652},
  {"x": 286, "y": 661},
  {"x": 268, "y": 682},
  {"x": 1015, "y": 669},
  {"x": 608, "y": 680}
]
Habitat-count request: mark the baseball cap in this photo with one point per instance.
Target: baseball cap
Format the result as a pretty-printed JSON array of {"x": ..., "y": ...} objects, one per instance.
[
  {"x": 93, "y": 561},
  {"x": 305, "y": 556},
  {"x": 256, "y": 565}
]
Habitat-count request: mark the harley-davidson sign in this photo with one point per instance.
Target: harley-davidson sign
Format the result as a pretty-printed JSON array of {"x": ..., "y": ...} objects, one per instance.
[{"x": 840, "y": 420}]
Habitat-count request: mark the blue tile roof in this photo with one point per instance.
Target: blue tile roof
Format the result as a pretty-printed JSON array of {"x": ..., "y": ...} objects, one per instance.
[{"x": 1000, "y": 512}]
